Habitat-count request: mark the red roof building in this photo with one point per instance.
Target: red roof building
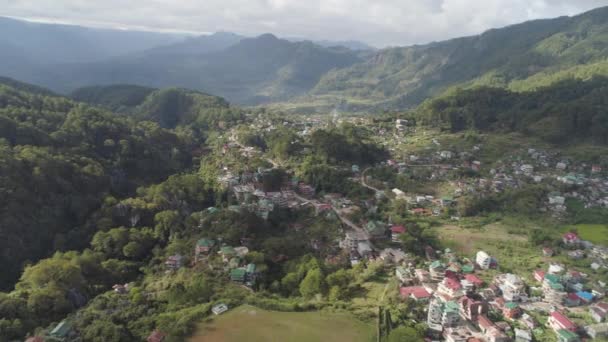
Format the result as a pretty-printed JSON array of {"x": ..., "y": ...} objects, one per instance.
[
  {"x": 539, "y": 275},
  {"x": 558, "y": 321},
  {"x": 396, "y": 232},
  {"x": 474, "y": 280},
  {"x": 484, "y": 323},
  {"x": 417, "y": 293},
  {"x": 570, "y": 238},
  {"x": 35, "y": 339}
]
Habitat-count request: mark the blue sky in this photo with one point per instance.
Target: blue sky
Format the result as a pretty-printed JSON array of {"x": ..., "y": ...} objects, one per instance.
[{"x": 377, "y": 22}]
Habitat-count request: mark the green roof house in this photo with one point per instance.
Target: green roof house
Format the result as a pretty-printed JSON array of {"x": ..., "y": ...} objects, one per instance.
[
  {"x": 238, "y": 275},
  {"x": 376, "y": 229},
  {"x": 564, "y": 335},
  {"x": 61, "y": 331},
  {"x": 203, "y": 246}
]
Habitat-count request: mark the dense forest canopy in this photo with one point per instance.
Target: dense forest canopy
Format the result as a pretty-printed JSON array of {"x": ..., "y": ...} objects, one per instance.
[
  {"x": 565, "y": 111},
  {"x": 60, "y": 159}
]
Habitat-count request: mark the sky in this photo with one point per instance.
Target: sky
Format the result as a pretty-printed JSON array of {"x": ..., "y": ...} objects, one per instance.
[{"x": 377, "y": 22}]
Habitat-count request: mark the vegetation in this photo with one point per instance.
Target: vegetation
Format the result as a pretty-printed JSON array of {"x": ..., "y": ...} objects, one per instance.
[
  {"x": 566, "y": 111},
  {"x": 256, "y": 324}
]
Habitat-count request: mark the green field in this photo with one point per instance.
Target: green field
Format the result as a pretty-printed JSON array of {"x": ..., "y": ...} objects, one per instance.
[
  {"x": 596, "y": 233},
  {"x": 248, "y": 323}
]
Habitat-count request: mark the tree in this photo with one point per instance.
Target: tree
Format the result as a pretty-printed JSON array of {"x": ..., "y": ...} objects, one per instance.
[
  {"x": 166, "y": 223},
  {"x": 312, "y": 284}
]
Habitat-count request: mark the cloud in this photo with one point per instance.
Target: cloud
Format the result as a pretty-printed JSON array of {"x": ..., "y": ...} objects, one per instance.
[{"x": 380, "y": 22}]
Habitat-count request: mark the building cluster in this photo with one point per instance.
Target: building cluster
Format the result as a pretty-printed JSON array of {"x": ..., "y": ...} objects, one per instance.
[{"x": 461, "y": 307}]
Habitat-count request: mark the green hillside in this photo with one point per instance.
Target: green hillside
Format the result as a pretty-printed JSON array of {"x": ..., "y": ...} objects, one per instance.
[
  {"x": 519, "y": 56},
  {"x": 60, "y": 160},
  {"x": 564, "y": 112},
  {"x": 118, "y": 97}
]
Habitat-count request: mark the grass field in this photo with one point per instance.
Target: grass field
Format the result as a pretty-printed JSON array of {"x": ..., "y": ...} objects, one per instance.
[
  {"x": 513, "y": 251},
  {"x": 248, "y": 323},
  {"x": 596, "y": 233}
]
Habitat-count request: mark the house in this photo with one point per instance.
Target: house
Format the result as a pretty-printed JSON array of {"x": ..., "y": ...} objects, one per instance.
[
  {"x": 599, "y": 312},
  {"x": 396, "y": 232},
  {"x": 375, "y": 229},
  {"x": 539, "y": 275},
  {"x": 156, "y": 336},
  {"x": 484, "y": 323},
  {"x": 564, "y": 335},
  {"x": 423, "y": 276},
  {"x": 446, "y": 154},
  {"x": 585, "y": 296},
  {"x": 511, "y": 310},
  {"x": 458, "y": 334},
  {"x": 174, "y": 262},
  {"x": 470, "y": 308},
  {"x": 527, "y": 168},
  {"x": 364, "y": 249},
  {"x": 474, "y": 280},
  {"x": 571, "y": 239},
  {"x": 61, "y": 331},
  {"x": 450, "y": 287},
  {"x": 528, "y": 321},
  {"x": 522, "y": 335},
  {"x": 399, "y": 194},
  {"x": 391, "y": 255},
  {"x": 476, "y": 166},
  {"x": 402, "y": 274},
  {"x": 576, "y": 254},
  {"x": 484, "y": 261},
  {"x": 437, "y": 270},
  {"x": 548, "y": 252},
  {"x": 597, "y": 331},
  {"x": 596, "y": 169},
  {"x": 572, "y": 300},
  {"x": 241, "y": 251},
  {"x": 35, "y": 339},
  {"x": 512, "y": 286},
  {"x": 417, "y": 293},
  {"x": 557, "y": 321},
  {"x": 219, "y": 309},
  {"x": 203, "y": 246},
  {"x": 121, "y": 289},
  {"x": 238, "y": 275},
  {"x": 227, "y": 253}
]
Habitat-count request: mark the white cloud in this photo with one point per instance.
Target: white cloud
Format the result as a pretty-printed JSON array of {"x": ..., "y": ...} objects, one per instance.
[{"x": 380, "y": 22}]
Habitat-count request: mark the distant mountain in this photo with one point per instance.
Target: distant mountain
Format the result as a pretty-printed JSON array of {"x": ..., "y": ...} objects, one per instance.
[
  {"x": 520, "y": 56},
  {"x": 193, "y": 46},
  {"x": 26, "y": 87},
  {"x": 46, "y": 44},
  {"x": 252, "y": 71},
  {"x": 354, "y": 45}
]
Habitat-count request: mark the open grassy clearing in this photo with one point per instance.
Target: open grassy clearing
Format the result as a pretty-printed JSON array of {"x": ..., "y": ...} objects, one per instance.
[
  {"x": 513, "y": 251},
  {"x": 248, "y": 323},
  {"x": 596, "y": 233}
]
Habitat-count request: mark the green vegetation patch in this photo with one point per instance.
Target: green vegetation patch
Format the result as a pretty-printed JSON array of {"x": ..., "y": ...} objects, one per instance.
[
  {"x": 596, "y": 233},
  {"x": 248, "y": 323}
]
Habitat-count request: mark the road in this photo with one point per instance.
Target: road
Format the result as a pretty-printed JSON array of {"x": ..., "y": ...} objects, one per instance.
[{"x": 364, "y": 183}]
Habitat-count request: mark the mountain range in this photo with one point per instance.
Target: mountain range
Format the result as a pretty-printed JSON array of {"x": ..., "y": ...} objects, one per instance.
[{"x": 321, "y": 75}]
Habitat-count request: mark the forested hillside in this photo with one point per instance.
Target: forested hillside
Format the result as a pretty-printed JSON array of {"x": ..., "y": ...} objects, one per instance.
[
  {"x": 564, "y": 112},
  {"x": 519, "y": 56},
  {"x": 60, "y": 160}
]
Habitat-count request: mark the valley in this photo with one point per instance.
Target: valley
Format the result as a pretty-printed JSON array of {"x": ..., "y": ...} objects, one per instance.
[{"x": 221, "y": 187}]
